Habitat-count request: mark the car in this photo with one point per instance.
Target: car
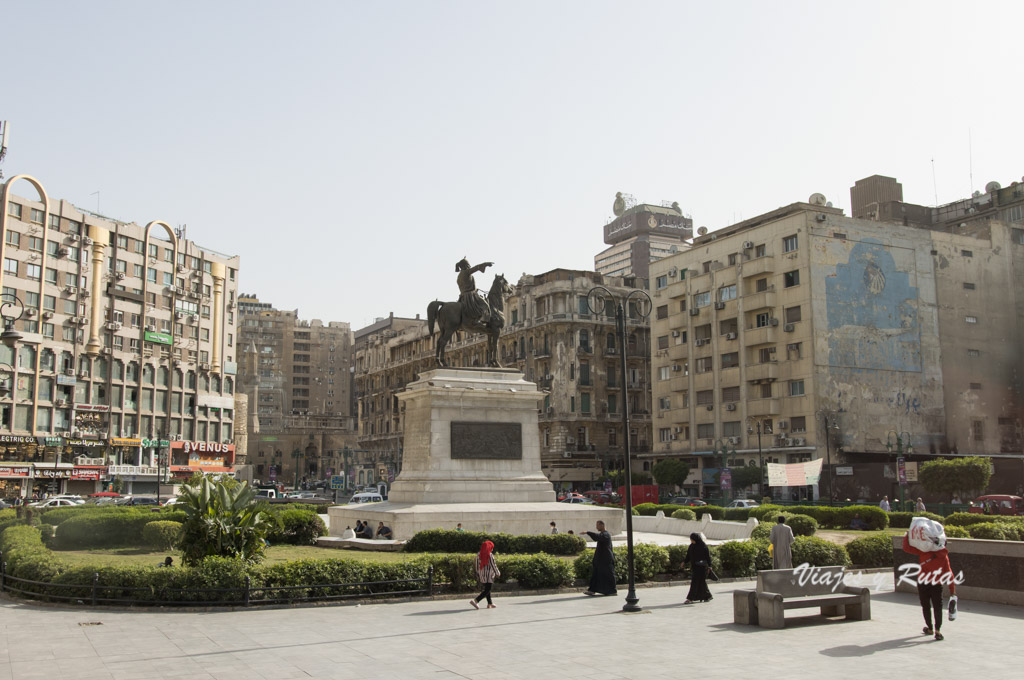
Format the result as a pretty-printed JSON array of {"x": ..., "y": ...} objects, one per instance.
[
  {"x": 570, "y": 494},
  {"x": 603, "y": 497},
  {"x": 173, "y": 500},
  {"x": 583, "y": 500},
  {"x": 743, "y": 503},
  {"x": 366, "y": 498},
  {"x": 996, "y": 504},
  {"x": 686, "y": 500},
  {"x": 138, "y": 500},
  {"x": 55, "y": 503}
]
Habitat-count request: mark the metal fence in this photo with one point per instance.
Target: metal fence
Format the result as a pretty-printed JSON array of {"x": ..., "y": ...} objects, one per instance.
[{"x": 244, "y": 595}]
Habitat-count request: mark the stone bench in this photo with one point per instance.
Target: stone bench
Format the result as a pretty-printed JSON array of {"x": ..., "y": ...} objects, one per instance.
[
  {"x": 374, "y": 544},
  {"x": 782, "y": 589}
]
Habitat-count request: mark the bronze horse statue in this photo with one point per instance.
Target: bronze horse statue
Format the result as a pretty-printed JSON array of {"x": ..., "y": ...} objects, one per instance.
[{"x": 449, "y": 318}]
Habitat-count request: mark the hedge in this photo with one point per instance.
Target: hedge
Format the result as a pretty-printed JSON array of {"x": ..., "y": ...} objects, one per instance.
[
  {"x": 827, "y": 517},
  {"x": 737, "y": 514},
  {"x": 648, "y": 560},
  {"x": 739, "y": 558},
  {"x": 107, "y": 530},
  {"x": 652, "y": 509},
  {"x": 160, "y": 534},
  {"x": 818, "y": 552},
  {"x": 446, "y": 540},
  {"x": 953, "y": 531},
  {"x": 964, "y": 519},
  {"x": 684, "y": 513},
  {"x": 871, "y": 551},
  {"x": 298, "y": 527},
  {"x": 902, "y": 520},
  {"x": 802, "y": 525},
  {"x": 996, "y": 531}
]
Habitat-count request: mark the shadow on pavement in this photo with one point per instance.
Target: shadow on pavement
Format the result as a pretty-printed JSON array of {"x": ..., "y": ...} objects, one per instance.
[
  {"x": 808, "y": 621},
  {"x": 966, "y": 607},
  {"x": 867, "y": 650}
]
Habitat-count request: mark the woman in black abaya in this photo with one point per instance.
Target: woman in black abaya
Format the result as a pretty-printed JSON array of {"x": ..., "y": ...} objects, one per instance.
[{"x": 699, "y": 558}]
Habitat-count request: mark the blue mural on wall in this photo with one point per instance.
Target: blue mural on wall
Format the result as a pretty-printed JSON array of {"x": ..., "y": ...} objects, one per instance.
[{"x": 872, "y": 312}]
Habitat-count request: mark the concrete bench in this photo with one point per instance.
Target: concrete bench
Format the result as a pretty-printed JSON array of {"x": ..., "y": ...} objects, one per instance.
[
  {"x": 782, "y": 589},
  {"x": 374, "y": 544}
]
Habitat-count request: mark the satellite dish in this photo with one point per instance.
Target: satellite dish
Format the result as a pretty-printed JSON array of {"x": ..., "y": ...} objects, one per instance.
[
  {"x": 829, "y": 204},
  {"x": 701, "y": 231},
  {"x": 993, "y": 187},
  {"x": 817, "y": 199}
]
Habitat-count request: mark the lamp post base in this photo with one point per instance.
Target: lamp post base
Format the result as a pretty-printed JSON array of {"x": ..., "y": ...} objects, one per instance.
[{"x": 632, "y": 602}]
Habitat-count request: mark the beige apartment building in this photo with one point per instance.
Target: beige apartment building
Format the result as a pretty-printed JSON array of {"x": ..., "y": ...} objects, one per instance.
[
  {"x": 297, "y": 374},
  {"x": 126, "y": 348},
  {"x": 550, "y": 335},
  {"x": 892, "y": 333}
]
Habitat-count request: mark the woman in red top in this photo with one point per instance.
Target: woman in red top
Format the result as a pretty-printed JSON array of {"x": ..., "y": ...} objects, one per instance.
[{"x": 935, "y": 570}]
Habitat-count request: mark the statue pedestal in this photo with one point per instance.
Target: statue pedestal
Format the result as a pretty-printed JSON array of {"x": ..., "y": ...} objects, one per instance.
[{"x": 472, "y": 455}]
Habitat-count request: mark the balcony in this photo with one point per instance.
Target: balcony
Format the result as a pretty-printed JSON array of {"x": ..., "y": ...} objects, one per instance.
[
  {"x": 759, "y": 372},
  {"x": 761, "y": 265},
  {"x": 679, "y": 351},
  {"x": 542, "y": 353},
  {"x": 764, "y": 407},
  {"x": 704, "y": 381},
  {"x": 680, "y": 382},
  {"x": 761, "y": 336},
  {"x": 676, "y": 289},
  {"x": 762, "y": 300}
]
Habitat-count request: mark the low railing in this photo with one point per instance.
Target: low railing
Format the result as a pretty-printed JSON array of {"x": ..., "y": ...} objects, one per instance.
[{"x": 244, "y": 596}]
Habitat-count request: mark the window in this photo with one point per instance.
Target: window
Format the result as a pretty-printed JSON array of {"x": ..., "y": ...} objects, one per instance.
[
  {"x": 706, "y": 431},
  {"x": 726, "y": 293},
  {"x": 14, "y": 238},
  {"x": 33, "y": 271},
  {"x": 765, "y": 355},
  {"x": 664, "y": 373},
  {"x": 795, "y": 350},
  {"x": 702, "y": 299},
  {"x": 732, "y": 258},
  {"x": 681, "y": 338},
  {"x": 706, "y": 266},
  {"x": 796, "y": 388},
  {"x": 762, "y": 319},
  {"x": 975, "y": 386},
  {"x": 1017, "y": 235},
  {"x": 704, "y": 364},
  {"x": 35, "y": 243},
  {"x": 10, "y": 265},
  {"x": 705, "y": 397},
  {"x": 792, "y": 314},
  {"x": 790, "y": 279},
  {"x": 968, "y": 286},
  {"x": 766, "y": 390},
  {"x": 798, "y": 424},
  {"x": 967, "y": 253},
  {"x": 50, "y": 303},
  {"x": 731, "y": 429},
  {"x": 664, "y": 403},
  {"x": 974, "y": 353},
  {"x": 789, "y": 244},
  {"x": 661, "y": 282},
  {"x": 759, "y": 251},
  {"x": 730, "y": 394},
  {"x": 665, "y": 434},
  {"x": 663, "y": 342},
  {"x": 662, "y": 312},
  {"x": 731, "y": 360},
  {"x": 970, "y": 319},
  {"x": 14, "y": 210},
  {"x": 51, "y": 276},
  {"x": 36, "y": 216},
  {"x": 978, "y": 430}
]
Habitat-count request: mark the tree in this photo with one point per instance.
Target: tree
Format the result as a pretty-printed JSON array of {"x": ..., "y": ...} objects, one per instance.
[
  {"x": 671, "y": 472},
  {"x": 745, "y": 476},
  {"x": 221, "y": 519},
  {"x": 961, "y": 476}
]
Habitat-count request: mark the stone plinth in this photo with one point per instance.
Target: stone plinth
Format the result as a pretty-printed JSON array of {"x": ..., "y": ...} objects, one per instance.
[{"x": 472, "y": 456}]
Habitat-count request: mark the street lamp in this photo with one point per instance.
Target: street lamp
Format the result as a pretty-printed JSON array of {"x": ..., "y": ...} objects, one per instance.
[
  {"x": 296, "y": 454},
  {"x": 760, "y": 454},
  {"x": 597, "y": 301},
  {"x": 830, "y": 421},
  {"x": 10, "y": 338},
  {"x": 899, "y": 457},
  {"x": 722, "y": 450}
]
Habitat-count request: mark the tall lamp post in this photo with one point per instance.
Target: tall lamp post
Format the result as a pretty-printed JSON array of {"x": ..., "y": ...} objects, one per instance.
[
  {"x": 901, "y": 479},
  {"x": 722, "y": 450},
  {"x": 296, "y": 454},
  {"x": 830, "y": 421},
  {"x": 597, "y": 300},
  {"x": 760, "y": 454},
  {"x": 10, "y": 337}
]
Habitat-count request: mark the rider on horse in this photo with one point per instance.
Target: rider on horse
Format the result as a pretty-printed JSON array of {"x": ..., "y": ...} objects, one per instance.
[{"x": 475, "y": 311}]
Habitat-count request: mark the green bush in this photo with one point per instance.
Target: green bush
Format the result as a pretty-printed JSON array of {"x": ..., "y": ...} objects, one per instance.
[
  {"x": 646, "y": 509},
  {"x": 444, "y": 540},
  {"x": 161, "y": 534},
  {"x": 902, "y": 520},
  {"x": 107, "y": 530},
  {"x": 818, "y": 552},
  {"x": 765, "y": 513},
  {"x": 296, "y": 526},
  {"x": 715, "y": 511},
  {"x": 737, "y": 514},
  {"x": 684, "y": 513},
  {"x": 648, "y": 560},
  {"x": 537, "y": 571},
  {"x": 992, "y": 531},
  {"x": 953, "y": 531},
  {"x": 676, "y": 553},
  {"x": 802, "y": 525},
  {"x": 761, "y": 532},
  {"x": 825, "y": 516},
  {"x": 871, "y": 551},
  {"x": 738, "y": 558},
  {"x": 46, "y": 533},
  {"x": 763, "y": 558},
  {"x": 964, "y": 519}
]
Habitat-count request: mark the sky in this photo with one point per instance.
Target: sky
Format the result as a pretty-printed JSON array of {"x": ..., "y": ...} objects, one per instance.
[{"x": 352, "y": 152}]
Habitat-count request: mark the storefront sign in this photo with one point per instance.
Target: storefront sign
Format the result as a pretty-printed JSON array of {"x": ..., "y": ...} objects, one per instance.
[
  {"x": 87, "y": 443},
  {"x": 127, "y": 470},
  {"x": 206, "y": 447},
  {"x": 200, "y": 461},
  {"x": 51, "y": 441},
  {"x": 87, "y": 474},
  {"x": 53, "y": 473},
  {"x": 125, "y": 442},
  {"x": 911, "y": 471},
  {"x": 216, "y": 401},
  {"x": 17, "y": 439},
  {"x": 13, "y": 471},
  {"x": 155, "y": 443},
  {"x": 159, "y": 338},
  {"x": 230, "y": 367},
  {"x": 69, "y": 380},
  {"x": 97, "y": 408},
  {"x": 844, "y": 471}
]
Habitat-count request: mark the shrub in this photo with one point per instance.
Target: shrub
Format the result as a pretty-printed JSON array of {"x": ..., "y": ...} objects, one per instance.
[
  {"x": 161, "y": 534},
  {"x": 761, "y": 532},
  {"x": 46, "y": 534},
  {"x": 766, "y": 513},
  {"x": 818, "y": 552},
  {"x": 443, "y": 540},
  {"x": 738, "y": 558},
  {"x": 537, "y": 571},
  {"x": 964, "y": 519},
  {"x": 802, "y": 525},
  {"x": 737, "y": 514},
  {"x": 221, "y": 520},
  {"x": 684, "y": 513},
  {"x": 871, "y": 551},
  {"x": 993, "y": 531},
  {"x": 299, "y": 527},
  {"x": 676, "y": 553},
  {"x": 715, "y": 511},
  {"x": 902, "y": 520},
  {"x": 763, "y": 558},
  {"x": 648, "y": 560},
  {"x": 107, "y": 530},
  {"x": 953, "y": 531}
]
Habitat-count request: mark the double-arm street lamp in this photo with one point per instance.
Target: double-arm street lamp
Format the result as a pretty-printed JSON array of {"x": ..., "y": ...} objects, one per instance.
[
  {"x": 598, "y": 300},
  {"x": 722, "y": 450},
  {"x": 830, "y": 422},
  {"x": 760, "y": 455},
  {"x": 10, "y": 337},
  {"x": 296, "y": 454},
  {"x": 901, "y": 437}
]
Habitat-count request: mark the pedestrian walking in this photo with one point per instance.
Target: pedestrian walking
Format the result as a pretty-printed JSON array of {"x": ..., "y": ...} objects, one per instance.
[
  {"x": 782, "y": 544},
  {"x": 602, "y": 577},
  {"x": 698, "y": 556},
  {"x": 486, "y": 572},
  {"x": 884, "y": 504},
  {"x": 934, "y": 569},
  {"x": 554, "y": 528},
  {"x": 920, "y": 506}
]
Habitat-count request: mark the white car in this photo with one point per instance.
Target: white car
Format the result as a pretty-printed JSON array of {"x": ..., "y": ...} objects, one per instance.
[
  {"x": 55, "y": 503},
  {"x": 743, "y": 503}
]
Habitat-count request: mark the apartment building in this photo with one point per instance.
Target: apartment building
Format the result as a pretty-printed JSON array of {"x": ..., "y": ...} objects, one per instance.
[
  {"x": 553, "y": 337},
  {"x": 641, "y": 234},
  {"x": 297, "y": 375},
  {"x": 125, "y": 346},
  {"x": 883, "y": 333}
]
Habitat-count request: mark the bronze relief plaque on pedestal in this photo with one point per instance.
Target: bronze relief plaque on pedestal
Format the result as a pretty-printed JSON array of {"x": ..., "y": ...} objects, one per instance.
[{"x": 491, "y": 441}]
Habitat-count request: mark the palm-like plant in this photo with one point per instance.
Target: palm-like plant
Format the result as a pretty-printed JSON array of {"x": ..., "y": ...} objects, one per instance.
[{"x": 220, "y": 519}]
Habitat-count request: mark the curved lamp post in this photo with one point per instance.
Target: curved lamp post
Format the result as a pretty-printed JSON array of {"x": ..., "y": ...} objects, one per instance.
[
  {"x": 10, "y": 337},
  {"x": 830, "y": 421},
  {"x": 899, "y": 456},
  {"x": 596, "y": 299},
  {"x": 760, "y": 454}
]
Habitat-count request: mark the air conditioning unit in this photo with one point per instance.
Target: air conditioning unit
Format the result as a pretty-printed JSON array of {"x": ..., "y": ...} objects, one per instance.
[
  {"x": 69, "y": 371},
  {"x": 150, "y": 328},
  {"x": 672, "y": 437},
  {"x": 30, "y": 313},
  {"x": 86, "y": 241},
  {"x": 205, "y": 366},
  {"x": 62, "y": 251},
  {"x": 107, "y": 350},
  {"x": 694, "y": 311},
  {"x": 82, "y": 320},
  {"x": 112, "y": 326},
  {"x": 734, "y": 440},
  {"x": 710, "y": 407},
  {"x": 699, "y": 342},
  {"x": 176, "y": 438},
  {"x": 196, "y": 272},
  {"x": 61, "y": 402},
  {"x": 719, "y": 305},
  {"x": 789, "y": 328},
  {"x": 675, "y": 334},
  {"x": 672, "y": 272},
  {"x": 676, "y": 367},
  {"x": 179, "y": 315},
  {"x": 182, "y": 267},
  {"x": 570, "y": 440},
  {"x": 86, "y": 292},
  {"x": 47, "y": 315},
  {"x": 119, "y": 276},
  {"x": 821, "y": 217},
  {"x": 193, "y": 319},
  {"x": 799, "y": 441},
  {"x": 782, "y": 424},
  {"x": 71, "y": 289},
  {"x": 83, "y": 375},
  {"x": 677, "y": 430},
  {"x": 747, "y": 245},
  {"x": 730, "y": 407},
  {"x": 179, "y": 291},
  {"x": 730, "y": 336},
  {"x": 177, "y": 362},
  {"x": 74, "y": 237},
  {"x": 773, "y": 322},
  {"x": 566, "y": 454}
]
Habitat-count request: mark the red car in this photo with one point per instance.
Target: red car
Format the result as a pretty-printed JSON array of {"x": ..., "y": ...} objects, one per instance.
[{"x": 998, "y": 505}]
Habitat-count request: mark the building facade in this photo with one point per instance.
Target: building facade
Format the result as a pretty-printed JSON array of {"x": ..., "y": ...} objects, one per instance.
[
  {"x": 553, "y": 337},
  {"x": 641, "y": 234},
  {"x": 841, "y": 338},
  {"x": 126, "y": 349},
  {"x": 297, "y": 375}
]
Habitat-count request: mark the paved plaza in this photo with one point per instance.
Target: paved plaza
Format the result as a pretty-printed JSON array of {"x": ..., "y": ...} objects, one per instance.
[{"x": 529, "y": 636}]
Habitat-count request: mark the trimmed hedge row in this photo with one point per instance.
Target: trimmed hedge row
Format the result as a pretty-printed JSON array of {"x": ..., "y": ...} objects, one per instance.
[
  {"x": 997, "y": 531},
  {"x": 965, "y": 519},
  {"x": 902, "y": 520},
  {"x": 652, "y": 509},
  {"x": 108, "y": 530},
  {"x": 827, "y": 517},
  {"x": 449, "y": 541},
  {"x": 684, "y": 513},
  {"x": 295, "y": 526},
  {"x": 802, "y": 525}
]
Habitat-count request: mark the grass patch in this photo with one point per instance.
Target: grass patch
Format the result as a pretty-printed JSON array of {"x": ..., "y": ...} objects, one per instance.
[{"x": 275, "y": 554}]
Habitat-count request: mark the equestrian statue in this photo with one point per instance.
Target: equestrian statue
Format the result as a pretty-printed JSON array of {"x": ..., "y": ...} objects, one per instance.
[{"x": 471, "y": 312}]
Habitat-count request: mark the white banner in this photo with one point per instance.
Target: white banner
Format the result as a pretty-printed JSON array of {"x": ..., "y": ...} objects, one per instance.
[{"x": 794, "y": 474}]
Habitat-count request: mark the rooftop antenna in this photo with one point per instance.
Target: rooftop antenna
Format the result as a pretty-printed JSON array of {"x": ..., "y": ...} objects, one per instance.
[
  {"x": 970, "y": 158},
  {"x": 97, "y": 195},
  {"x": 935, "y": 186},
  {"x": 4, "y": 131}
]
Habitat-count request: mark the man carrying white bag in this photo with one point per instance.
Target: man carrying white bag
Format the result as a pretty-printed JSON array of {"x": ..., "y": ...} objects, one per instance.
[{"x": 927, "y": 540}]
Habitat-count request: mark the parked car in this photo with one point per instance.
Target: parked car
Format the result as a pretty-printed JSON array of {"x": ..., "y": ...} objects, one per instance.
[
  {"x": 54, "y": 503},
  {"x": 366, "y": 498},
  {"x": 604, "y": 497},
  {"x": 685, "y": 500},
  {"x": 743, "y": 503},
  {"x": 583, "y": 500},
  {"x": 997, "y": 504},
  {"x": 137, "y": 500}
]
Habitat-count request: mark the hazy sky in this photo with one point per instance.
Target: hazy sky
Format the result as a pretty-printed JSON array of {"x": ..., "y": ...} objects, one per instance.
[{"x": 352, "y": 152}]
